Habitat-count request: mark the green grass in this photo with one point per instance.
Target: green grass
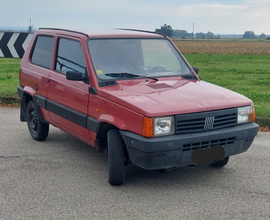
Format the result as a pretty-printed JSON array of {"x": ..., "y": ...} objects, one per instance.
[
  {"x": 9, "y": 76},
  {"x": 246, "y": 74}
]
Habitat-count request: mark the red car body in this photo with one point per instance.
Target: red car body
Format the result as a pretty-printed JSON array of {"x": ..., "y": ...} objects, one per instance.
[{"x": 88, "y": 109}]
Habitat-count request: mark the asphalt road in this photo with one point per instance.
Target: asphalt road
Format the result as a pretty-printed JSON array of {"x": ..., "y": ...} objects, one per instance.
[{"x": 64, "y": 178}]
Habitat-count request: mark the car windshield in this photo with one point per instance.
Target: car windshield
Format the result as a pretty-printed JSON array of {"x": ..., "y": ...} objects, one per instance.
[{"x": 133, "y": 58}]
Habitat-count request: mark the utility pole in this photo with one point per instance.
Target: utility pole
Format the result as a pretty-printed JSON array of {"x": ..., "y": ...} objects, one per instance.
[
  {"x": 30, "y": 28},
  {"x": 193, "y": 31}
]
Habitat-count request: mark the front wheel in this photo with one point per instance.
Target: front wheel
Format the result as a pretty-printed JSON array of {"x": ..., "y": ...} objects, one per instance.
[
  {"x": 116, "y": 157},
  {"x": 221, "y": 163},
  {"x": 38, "y": 130}
]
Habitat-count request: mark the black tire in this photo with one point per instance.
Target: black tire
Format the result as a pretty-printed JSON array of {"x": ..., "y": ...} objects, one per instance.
[
  {"x": 116, "y": 157},
  {"x": 38, "y": 130},
  {"x": 221, "y": 163}
]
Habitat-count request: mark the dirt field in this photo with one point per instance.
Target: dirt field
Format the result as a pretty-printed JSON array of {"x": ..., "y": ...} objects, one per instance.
[{"x": 224, "y": 47}]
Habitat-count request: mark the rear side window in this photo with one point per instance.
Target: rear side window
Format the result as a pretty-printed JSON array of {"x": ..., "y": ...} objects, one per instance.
[
  {"x": 69, "y": 56},
  {"x": 42, "y": 53}
]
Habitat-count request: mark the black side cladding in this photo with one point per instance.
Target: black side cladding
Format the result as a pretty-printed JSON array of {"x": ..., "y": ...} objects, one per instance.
[
  {"x": 92, "y": 124},
  {"x": 67, "y": 113},
  {"x": 58, "y": 109}
]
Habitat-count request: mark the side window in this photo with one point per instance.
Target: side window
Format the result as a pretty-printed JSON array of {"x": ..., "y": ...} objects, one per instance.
[
  {"x": 69, "y": 56},
  {"x": 42, "y": 53}
]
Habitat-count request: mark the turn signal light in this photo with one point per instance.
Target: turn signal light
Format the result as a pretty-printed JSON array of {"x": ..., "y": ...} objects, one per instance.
[
  {"x": 147, "y": 128},
  {"x": 253, "y": 113}
]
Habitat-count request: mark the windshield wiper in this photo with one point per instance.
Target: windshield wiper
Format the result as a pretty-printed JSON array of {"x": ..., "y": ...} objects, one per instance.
[{"x": 123, "y": 75}]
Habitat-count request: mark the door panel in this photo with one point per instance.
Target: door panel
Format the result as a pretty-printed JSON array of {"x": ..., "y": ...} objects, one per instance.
[{"x": 68, "y": 100}]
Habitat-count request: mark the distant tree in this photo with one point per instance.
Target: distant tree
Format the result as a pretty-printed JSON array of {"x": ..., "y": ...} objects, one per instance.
[
  {"x": 200, "y": 35},
  {"x": 249, "y": 34},
  {"x": 165, "y": 29},
  {"x": 180, "y": 33},
  {"x": 190, "y": 35},
  {"x": 209, "y": 35},
  {"x": 263, "y": 36}
]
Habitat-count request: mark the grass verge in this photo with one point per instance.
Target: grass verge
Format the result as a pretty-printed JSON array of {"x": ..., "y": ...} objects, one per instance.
[
  {"x": 9, "y": 79},
  {"x": 246, "y": 74}
]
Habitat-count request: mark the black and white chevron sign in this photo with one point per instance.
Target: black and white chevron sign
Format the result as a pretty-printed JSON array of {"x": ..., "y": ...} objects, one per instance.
[{"x": 13, "y": 45}]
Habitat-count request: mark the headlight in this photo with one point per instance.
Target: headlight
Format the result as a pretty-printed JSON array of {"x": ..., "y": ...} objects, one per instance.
[
  {"x": 163, "y": 126},
  {"x": 245, "y": 114}
]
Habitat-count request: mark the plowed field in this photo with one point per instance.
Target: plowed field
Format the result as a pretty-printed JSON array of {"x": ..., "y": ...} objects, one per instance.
[{"x": 224, "y": 47}]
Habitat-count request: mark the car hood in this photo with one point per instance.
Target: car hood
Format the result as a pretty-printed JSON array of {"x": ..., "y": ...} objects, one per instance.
[{"x": 171, "y": 96}]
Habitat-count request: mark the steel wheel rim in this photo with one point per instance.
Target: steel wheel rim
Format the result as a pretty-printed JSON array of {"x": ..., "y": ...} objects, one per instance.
[{"x": 33, "y": 121}]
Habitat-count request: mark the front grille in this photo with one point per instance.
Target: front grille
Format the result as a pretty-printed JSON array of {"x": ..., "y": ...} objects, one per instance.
[
  {"x": 204, "y": 121},
  {"x": 207, "y": 144}
]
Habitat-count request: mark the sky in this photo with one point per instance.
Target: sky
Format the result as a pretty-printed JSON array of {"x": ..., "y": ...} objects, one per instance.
[{"x": 219, "y": 17}]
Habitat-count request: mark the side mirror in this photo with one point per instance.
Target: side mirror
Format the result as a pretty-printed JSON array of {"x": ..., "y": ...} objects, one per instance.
[
  {"x": 196, "y": 69},
  {"x": 76, "y": 76}
]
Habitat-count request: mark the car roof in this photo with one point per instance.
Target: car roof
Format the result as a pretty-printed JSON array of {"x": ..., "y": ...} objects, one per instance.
[{"x": 105, "y": 33}]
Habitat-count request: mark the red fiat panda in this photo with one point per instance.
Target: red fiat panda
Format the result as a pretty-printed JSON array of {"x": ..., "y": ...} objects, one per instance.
[{"x": 133, "y": 94}]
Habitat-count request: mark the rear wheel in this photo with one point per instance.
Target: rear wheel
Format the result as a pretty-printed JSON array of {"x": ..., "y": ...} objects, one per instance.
[
  {"x": 116, "y": 157},
  {"x": 38, "y": 130},
  {"x": 221, "y": 163}
]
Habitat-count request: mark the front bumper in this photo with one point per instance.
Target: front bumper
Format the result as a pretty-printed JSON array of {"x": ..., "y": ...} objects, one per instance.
[{"x": 175, "y": 150}]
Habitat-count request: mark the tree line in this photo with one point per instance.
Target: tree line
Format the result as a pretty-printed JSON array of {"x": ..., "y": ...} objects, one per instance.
[{"x": 167, "y": 29}]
